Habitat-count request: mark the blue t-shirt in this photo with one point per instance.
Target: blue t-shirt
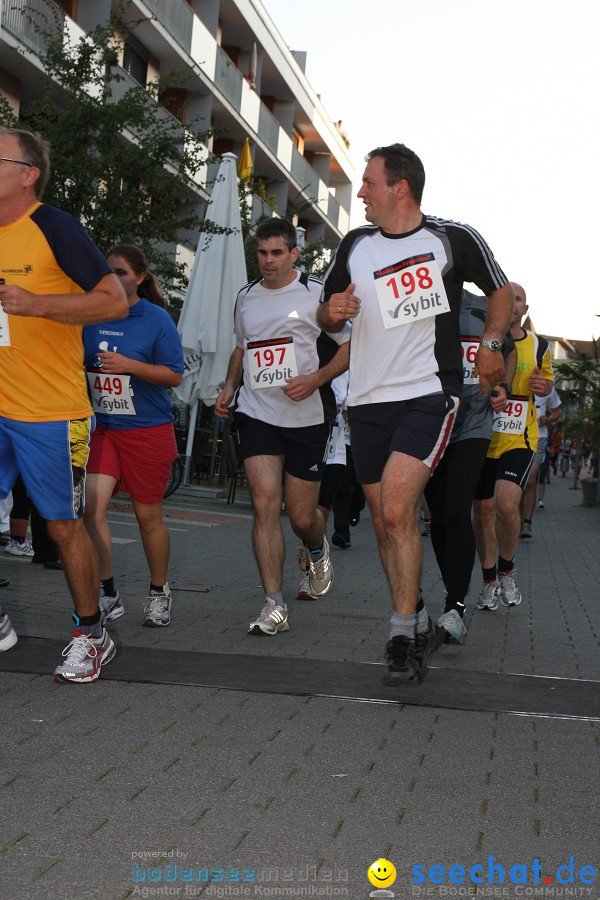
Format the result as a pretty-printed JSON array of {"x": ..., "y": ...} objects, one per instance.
[{"x": 149, "y": 335}]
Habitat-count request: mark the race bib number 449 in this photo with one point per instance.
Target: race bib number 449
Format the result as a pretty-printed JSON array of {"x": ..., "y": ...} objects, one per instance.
[
  {"x": 272, "y": 362},
  {"x": 410, "y": 290},
  {"x": 513, "y": 419},
  {"x": 111, "y": 394}
]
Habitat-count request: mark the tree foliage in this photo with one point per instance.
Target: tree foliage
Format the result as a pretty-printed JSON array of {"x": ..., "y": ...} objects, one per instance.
[
  {"x": 121, "y": 163},
  {"x": 579, "y": 388}
]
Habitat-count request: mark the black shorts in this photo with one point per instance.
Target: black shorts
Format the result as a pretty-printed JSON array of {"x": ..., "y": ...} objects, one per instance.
[
  {"x": 420, "y": 427},
  {"x": 304, "y": 449},
  {"x": 514, "y": 465}
]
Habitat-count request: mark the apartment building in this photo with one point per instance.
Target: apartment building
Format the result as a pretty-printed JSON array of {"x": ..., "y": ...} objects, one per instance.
[{"x": 243, "y": 82}]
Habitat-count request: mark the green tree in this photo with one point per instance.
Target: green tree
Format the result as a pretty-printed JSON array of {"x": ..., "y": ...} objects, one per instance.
[
  {"x": 121, "y": 164},
  {"x": 579, "y": 388}
]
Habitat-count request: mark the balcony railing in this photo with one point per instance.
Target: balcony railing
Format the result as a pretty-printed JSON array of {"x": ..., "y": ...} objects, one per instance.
[
  {"x": 177, "y": 17},
  {"x": 36, "y": 23}
]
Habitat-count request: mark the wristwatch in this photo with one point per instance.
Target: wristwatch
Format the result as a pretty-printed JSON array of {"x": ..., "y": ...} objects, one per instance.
[
  {"x": 492, "y": 344},
  {"x": 506, "y": 387}
]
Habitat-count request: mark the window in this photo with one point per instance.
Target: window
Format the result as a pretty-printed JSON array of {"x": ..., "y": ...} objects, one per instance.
[{"x": 135, "y": 60}]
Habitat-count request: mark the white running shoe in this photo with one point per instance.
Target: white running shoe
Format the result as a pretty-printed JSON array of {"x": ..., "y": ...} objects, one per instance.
[
  {"x": 302, "y": 557},
  {"x": 8, "y": 635},
  {"x": 488, "y": 595},
  {"x": 18, "y": 548},
  {"x": 320, "y": 572},
  {"x": 272, "y": 619},
  {"x": 157, "y": 610},
  {"x": 111, "y": 608},
  {"x": 510, "y": 595},
  {"x": 304, "y": 592},
  {"x": 454, "y": 625},
  {"x": 85, "y": 656}
]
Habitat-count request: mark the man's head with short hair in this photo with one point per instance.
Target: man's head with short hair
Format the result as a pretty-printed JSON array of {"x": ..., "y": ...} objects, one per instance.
[
  {"x": 402, "y": 163},
  {"x": 35, "y": 151},
  {"x": 521, "y": 308},
  {"x": 277, "y": 228}
]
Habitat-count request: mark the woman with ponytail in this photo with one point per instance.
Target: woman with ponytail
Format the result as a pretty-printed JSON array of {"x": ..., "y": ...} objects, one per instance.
[{"x": 131, "y": 363}]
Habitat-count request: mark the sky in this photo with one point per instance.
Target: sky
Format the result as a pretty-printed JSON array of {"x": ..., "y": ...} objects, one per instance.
[{"x": 501, "y": 100}]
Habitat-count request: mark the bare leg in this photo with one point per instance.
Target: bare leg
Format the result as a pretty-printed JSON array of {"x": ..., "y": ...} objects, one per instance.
[
  {"x": 393, "y": 504},
  {"x": 98, "y": 491},
  {"x": 508, "y": 520},
  {"x": 306, "y": 518},
  {"x": 264, "y": 474},
  {"x": 155, "y": 538},
  {"x": 484, "y": 527},
  {"x": 80, "y": 563}
]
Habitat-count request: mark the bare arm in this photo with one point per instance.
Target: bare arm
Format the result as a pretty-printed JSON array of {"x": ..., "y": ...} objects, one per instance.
[
  {"x": 333, "y": 315},
  {"x": 489, "y": 365},
  {"x": 302, "y": 386},
  {"x": 232, "y": 382},
  {"x": 117, "y": 364},
  {"x": 104, "y": 302}
]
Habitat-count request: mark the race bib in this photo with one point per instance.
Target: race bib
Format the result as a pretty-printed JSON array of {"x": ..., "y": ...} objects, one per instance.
[
  {"x": 468, "y": 351},
  {"x": 513, "y": 419},
  {"x": 111, "y": 394},
  {"x": 4, "y": 329},
  {"x": 272, "y": 362},
  {"x": 410, "y": 290}
]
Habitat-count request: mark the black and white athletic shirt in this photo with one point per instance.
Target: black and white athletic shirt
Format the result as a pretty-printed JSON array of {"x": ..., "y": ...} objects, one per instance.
[
  {"x": 395, "y": 354},
  {"x": 278, "y": 331}
]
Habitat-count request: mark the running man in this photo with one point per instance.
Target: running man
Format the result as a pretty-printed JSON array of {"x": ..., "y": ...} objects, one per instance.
[
  {"x": 53, "y": 281},
  {"x": 283, "y": 365},
  {"x": 496, "y": 517},
  {"x": 400, "y": 281}
]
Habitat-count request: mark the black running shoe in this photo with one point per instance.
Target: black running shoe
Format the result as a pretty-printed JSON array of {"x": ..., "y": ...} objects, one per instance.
[{"x": 407, "y": 659}]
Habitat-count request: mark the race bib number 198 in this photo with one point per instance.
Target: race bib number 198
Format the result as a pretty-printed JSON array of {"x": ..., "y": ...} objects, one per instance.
[{"x": 410, "y": 290}]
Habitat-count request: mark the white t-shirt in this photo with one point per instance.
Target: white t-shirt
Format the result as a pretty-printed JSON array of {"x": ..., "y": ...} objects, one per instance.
[
  {"x": 551, "y": 401},
  {"x": 278, "y": 331}
]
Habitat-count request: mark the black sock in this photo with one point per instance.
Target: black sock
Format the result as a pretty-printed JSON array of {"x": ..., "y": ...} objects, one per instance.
[
  {"x": 489, "y": 574},
  {"x": 505, "y": 566},
  {"x": 157, "y": 589},
  {"x": 458, "y": 605},
  {"x": 108, "y": 586}
]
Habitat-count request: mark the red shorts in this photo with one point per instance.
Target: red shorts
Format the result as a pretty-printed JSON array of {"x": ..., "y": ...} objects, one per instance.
[{"x": 139, "y": 458}]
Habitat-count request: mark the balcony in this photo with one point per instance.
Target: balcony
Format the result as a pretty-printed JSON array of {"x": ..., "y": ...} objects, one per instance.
[
  {"x": 35, "y": 23},
  {"x": 177, "y": 18}
]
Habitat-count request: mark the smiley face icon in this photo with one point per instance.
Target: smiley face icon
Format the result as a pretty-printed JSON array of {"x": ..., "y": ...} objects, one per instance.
[{"x": 381, "y": 873}]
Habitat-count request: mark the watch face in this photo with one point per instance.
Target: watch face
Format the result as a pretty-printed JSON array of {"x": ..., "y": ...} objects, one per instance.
[{"x": 493, "y": 345}]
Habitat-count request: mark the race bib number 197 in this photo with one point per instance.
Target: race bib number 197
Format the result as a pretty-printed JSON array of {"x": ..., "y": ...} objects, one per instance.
[
  {"x": 272, "y": 362},
  {"x": 410, "y": 290}
]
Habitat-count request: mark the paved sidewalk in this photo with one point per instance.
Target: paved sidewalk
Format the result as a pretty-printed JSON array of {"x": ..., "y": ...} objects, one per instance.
[{"x": 300, "y": 794}]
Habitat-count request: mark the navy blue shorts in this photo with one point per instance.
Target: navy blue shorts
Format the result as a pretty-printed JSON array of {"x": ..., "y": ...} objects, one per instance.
[
  {"x": 420, "y": 428},
  {"x": 514, "y": 465},
  {"x": 304, "y": 449}
]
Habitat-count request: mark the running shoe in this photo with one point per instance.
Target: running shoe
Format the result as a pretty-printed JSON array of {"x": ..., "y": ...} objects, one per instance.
[
  {"x": 304, "y": 590},
  {"x": 320, "y": 572},
  {"x": 272, "y": 619},
  {"x": 302, "y": 557},
  {"x": 454, "y": 625},
  {"x": 8, "y": 635},
  {"x": 407, "y": 659},
  {"x": 18, "y": 548},
  {"x": 111, "y": 607},
  {"x": 341, "y": 540},
  {"x": 157, "y": 610},
  {"x": 510, "y": 595},
  {"x": 85, "y": 656},
  {"x": 525, "y": 531},
  {"x": 541, "y": 504},
  {"x": 488, "y": 595}
]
